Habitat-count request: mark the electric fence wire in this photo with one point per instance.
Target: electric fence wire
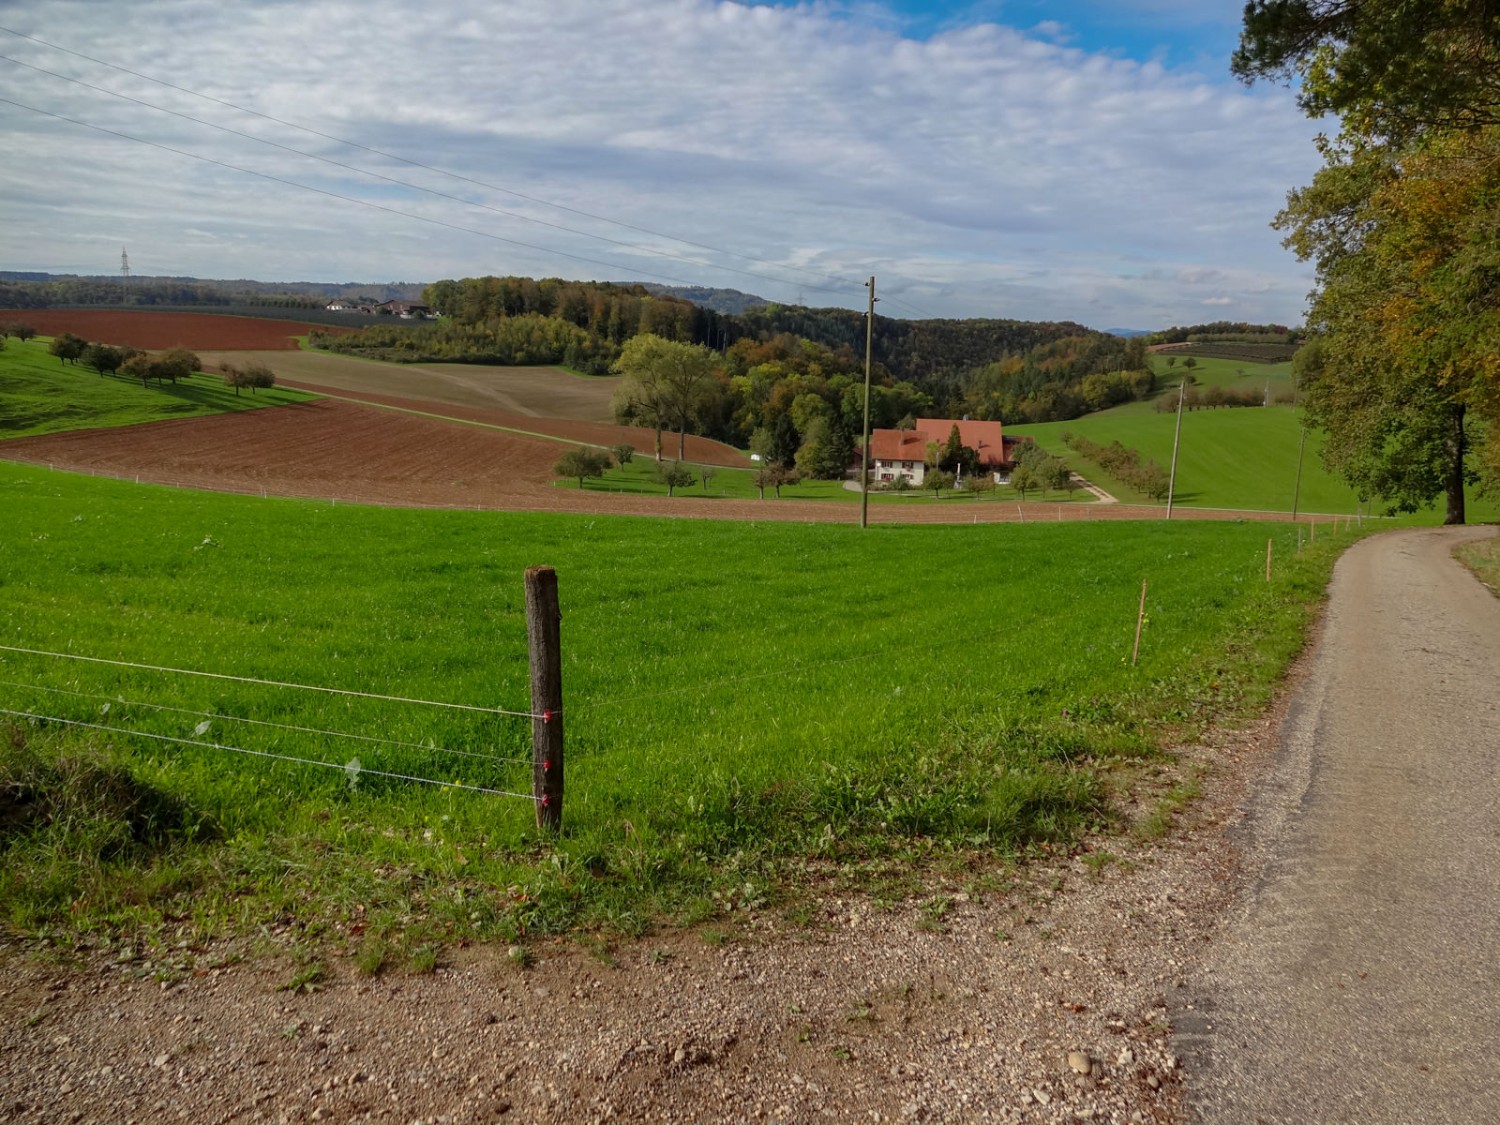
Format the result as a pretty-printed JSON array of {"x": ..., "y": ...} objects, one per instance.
[
  {"x": 840, "y": 283},
  {"x": 348, "y": 769},
  {"x": 544, "y": 716},
  {"x": 220, "y": 717}
]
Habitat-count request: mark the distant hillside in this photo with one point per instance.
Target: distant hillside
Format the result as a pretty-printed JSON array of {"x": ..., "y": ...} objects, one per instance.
[
  {"x": 730, "y": 301},
  {"x": 43, "y": 290}
]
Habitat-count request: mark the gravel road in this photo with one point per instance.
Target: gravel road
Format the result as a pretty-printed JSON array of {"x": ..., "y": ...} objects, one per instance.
[{"x": 1358, "y": 979}]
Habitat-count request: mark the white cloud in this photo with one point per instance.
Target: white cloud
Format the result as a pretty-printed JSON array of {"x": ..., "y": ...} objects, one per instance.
[{"x": 983, "y": 171}]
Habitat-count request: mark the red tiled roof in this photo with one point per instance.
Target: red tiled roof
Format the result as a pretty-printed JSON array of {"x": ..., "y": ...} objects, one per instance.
[
  {"x": 984, "y": 438},
  {"x": 897, "y": 445}
]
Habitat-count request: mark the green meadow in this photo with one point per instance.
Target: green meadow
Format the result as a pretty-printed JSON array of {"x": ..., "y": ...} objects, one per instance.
[
  {"x": 748, "y": 706},
  {"x": 1240, "y": 458},
  {"x": 39, "y": 394}
]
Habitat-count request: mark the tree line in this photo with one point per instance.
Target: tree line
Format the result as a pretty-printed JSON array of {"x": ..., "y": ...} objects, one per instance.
[
  {"x": 1400, "y": 223},
  {"x": 165, "y": 367}
]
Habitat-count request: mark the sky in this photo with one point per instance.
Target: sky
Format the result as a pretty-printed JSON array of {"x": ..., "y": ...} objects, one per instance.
[{"x": 1090, "y": 161}]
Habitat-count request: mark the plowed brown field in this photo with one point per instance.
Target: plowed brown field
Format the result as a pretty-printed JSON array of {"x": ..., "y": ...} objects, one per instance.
[
  {"x": 155, "y": 330},
  {"x": 699, "y": 450}
]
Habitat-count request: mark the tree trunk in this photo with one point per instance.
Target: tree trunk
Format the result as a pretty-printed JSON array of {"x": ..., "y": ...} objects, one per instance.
[
  {"x": 682, "y": 443},
  {"x": 1457, "y": 447},
  {"x": 658, "y": 444}
]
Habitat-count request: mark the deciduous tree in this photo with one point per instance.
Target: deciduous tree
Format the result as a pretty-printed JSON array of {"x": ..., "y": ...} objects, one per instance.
[{"x": 582, "y": 464}]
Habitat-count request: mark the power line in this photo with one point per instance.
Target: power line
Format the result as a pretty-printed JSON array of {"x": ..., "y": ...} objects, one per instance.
[
  {"x": 632, "y": 246},
  {"x": 842, "y": 282},
  {"x": 340, "y": 196}
]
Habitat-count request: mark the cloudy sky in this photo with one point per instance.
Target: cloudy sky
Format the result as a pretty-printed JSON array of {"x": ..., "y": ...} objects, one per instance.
[{"x": 1090, "y": 160}]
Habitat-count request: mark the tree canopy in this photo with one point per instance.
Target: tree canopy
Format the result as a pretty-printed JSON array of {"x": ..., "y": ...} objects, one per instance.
[
  {"x": 1390, "y": 68},
  {"x": 1403, "y": 225}
]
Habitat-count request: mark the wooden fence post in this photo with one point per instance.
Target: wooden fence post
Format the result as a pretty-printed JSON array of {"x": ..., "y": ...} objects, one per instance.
[
  {"x": 1268, "y": 560},
  {"x": 543, "y": 638},
  {"x": 1140, "y": 619}
]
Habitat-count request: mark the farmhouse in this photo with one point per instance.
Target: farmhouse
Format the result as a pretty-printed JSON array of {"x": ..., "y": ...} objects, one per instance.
[{"x": 904, "y": 452}]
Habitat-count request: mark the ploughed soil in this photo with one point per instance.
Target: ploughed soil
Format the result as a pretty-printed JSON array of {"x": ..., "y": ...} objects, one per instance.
[{"x": 157, "y": 330}]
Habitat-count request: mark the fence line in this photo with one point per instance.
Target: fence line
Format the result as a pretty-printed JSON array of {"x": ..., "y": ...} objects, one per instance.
[
  {"x": 265, "y": 723},
  {"x": 351, "y": 768},
  {"x": 545, "y": 717}
]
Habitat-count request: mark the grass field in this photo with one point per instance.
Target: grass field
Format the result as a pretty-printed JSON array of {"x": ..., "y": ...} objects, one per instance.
[
  {"x": 746, "y": 705},
  {"x": 39, "y": 394},
  {"x": 1242, "y": 458}
]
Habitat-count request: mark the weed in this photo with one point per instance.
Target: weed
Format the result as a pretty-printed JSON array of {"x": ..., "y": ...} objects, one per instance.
[
  {"x": 307, "y": 978},
  {"x": 521, "y": 956},
  {"x": 373, "y": 956},
  {"x": 424, "y": 958}
]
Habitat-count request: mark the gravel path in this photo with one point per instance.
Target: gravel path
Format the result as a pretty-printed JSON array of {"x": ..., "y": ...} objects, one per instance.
[{"x": 1359, "y": 980}]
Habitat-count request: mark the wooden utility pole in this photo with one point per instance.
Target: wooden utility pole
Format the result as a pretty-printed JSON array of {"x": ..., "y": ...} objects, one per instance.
[
  {"x": 864, "y": 456},
  {"x": 543, "y": 638},
  {"x": 1176, "y": 435},
  {"x": 1297, "y": 488}
]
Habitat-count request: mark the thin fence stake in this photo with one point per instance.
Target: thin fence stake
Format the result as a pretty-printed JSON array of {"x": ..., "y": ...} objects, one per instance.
[
  {"x": 1140, "y": 619},
  {"x": 1268, "y": 560},
  {"x": 1314, "y": 534},
  {"x": 543, "y": 638}
]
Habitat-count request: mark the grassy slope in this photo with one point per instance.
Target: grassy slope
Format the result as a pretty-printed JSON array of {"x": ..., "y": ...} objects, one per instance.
[
  {"x": 39, "y": 394},
  {"x": 739, "y": 698},
  {"x": 1243, "y": 458}
]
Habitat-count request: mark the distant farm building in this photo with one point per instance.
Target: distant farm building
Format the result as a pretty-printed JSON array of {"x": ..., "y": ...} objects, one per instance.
[
  {"x": 407, "y": 310},
  {"x": 896, "y": 453}
]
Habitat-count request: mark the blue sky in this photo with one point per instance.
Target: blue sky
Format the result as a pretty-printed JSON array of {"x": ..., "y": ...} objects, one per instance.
[
  {"x": 1089, "y": 161},
  {"x": 1174, "y": 31}
]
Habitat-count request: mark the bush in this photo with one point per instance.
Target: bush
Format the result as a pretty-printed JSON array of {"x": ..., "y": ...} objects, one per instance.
[{"x": 582, "y": 464}]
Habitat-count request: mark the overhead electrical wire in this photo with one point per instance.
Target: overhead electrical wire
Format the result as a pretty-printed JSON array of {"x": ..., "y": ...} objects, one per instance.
[
  {"x": 632, "y": 246},
  {"x": 339, "y": 195},
  {"x": 840, "y": 281}
]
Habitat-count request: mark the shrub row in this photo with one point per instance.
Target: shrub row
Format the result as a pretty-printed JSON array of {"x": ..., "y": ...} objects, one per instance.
[{"x": 1124, "y": 464}]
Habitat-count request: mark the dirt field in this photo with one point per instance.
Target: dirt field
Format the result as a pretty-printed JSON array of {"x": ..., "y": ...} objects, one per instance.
[
  {"x": 528, "y": 392},
  {"x": 142, "y": 329}
]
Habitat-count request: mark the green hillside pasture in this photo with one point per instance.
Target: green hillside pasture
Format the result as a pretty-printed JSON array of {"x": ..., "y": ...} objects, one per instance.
[
  {"x": 1242, "y": 459},
  {"x": 1237, "y": 375},
  {"x": 39, "y": 394},
  {"x": 741, "y": 701}
]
